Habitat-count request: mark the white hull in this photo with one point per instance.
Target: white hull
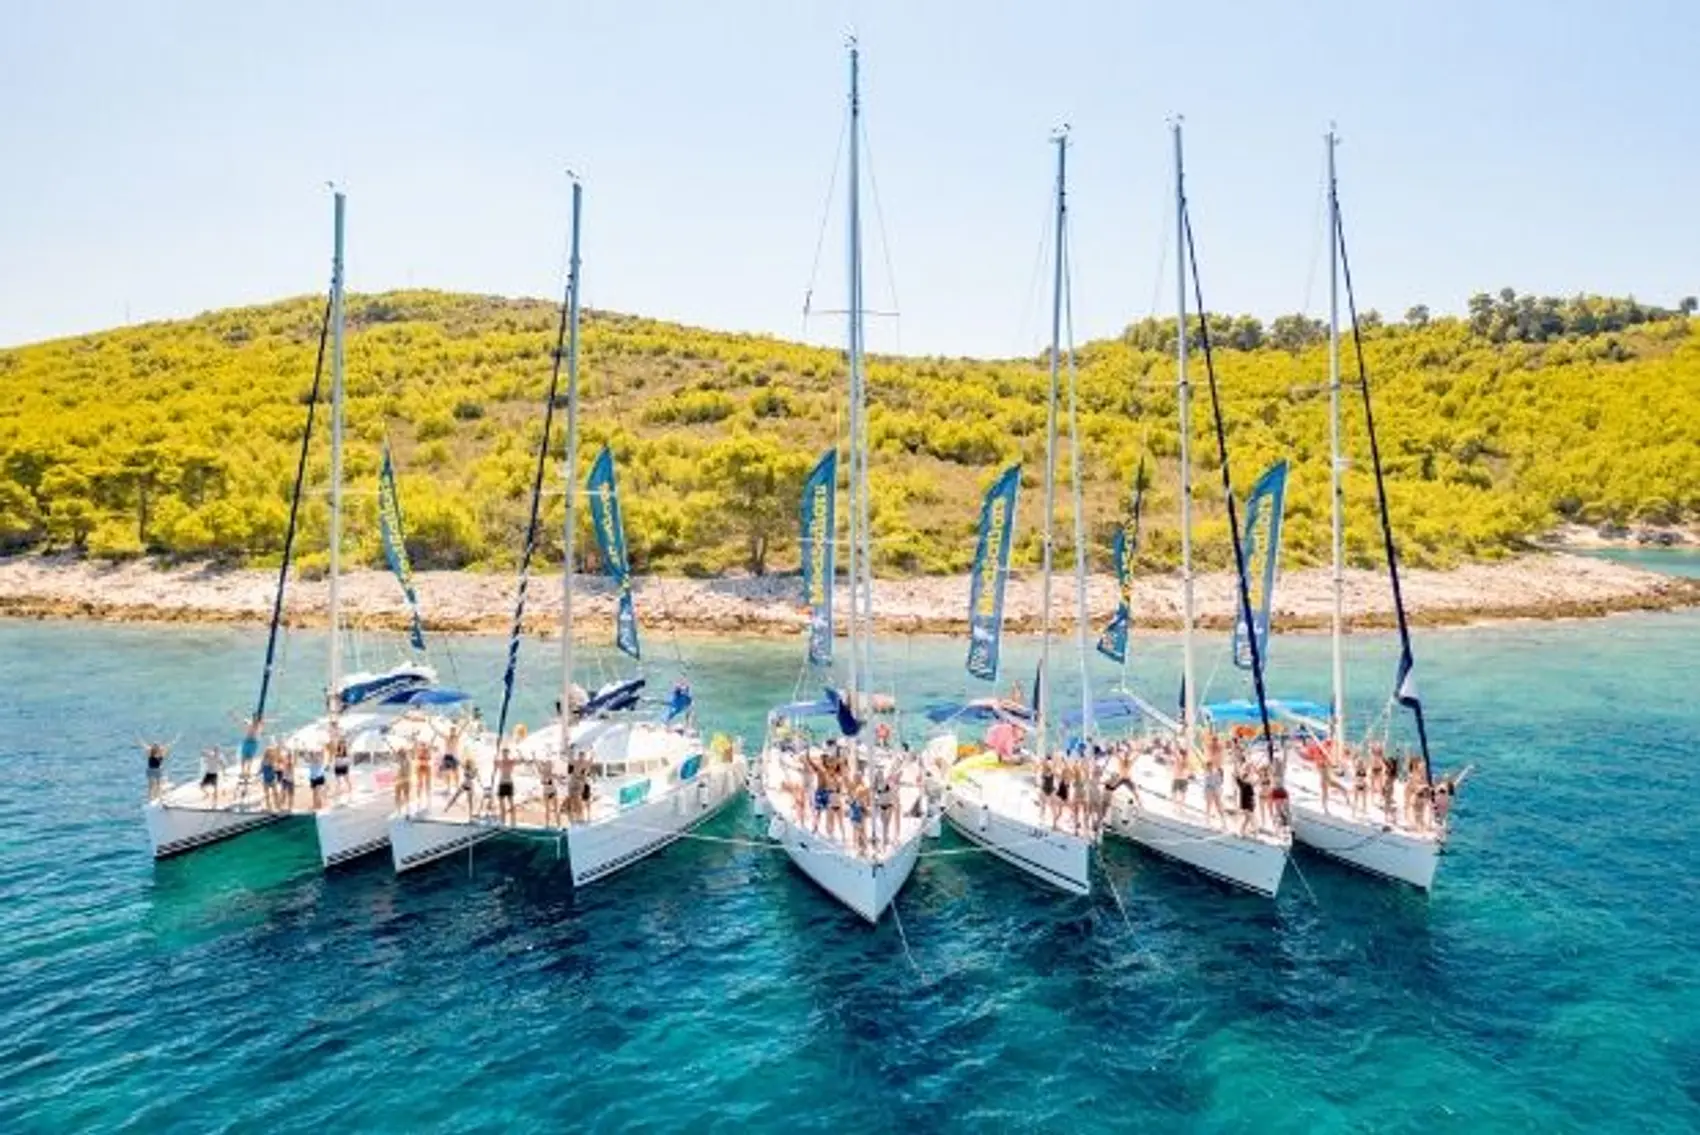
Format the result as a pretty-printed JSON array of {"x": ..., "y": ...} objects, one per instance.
[
  {"x": 353, "y": 828},
  {"x": 418, "y": 840},
  {"x": 1058, "y": 858},
  {"x": 1367, "y": 845},
  {"x": 174, "y": 830},
  {"x": 866, "y": 886},
  {"x": 1255, "y": 864},
  {"x": 597, "y": 850}
]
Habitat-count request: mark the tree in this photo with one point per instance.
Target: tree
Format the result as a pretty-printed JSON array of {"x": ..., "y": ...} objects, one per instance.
[
  {"x": 1417, "y": 316},
  {"x": 1688, "y": 305},
  {"x": 758, "y": 484}
]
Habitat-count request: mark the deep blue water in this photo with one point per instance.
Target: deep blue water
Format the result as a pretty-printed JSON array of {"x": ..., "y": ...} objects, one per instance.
[{"x": 1551, "y": 983}]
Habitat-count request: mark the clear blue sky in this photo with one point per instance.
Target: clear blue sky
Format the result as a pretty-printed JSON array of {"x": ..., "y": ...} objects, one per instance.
[{"x": 165, "y": 158}]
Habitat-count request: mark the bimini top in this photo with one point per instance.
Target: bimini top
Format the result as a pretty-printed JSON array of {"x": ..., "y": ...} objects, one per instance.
[
  {"x": 981, "y": 710},
  {"x": 1308, "y": 715},
  {"x": 358, "y": 689},
  {"x": 429, "y": 695},
  {"x": 613, "y": 697}
]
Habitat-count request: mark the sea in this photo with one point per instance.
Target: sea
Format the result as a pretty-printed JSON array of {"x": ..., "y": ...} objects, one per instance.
[{"x": 1550, "y": 982}]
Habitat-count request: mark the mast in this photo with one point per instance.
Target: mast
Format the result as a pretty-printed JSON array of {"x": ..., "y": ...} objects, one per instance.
[
  {"x": 858, "y": 667},
  {"x": 335, "y": 602},
  {"x": 1048, "y": 537},
  {"x": 1183, "y": 396},
  {"x": 1336, "y": 494},
  {"x": 571, "y": 459},
  {"x": 1077, "y": 501}
]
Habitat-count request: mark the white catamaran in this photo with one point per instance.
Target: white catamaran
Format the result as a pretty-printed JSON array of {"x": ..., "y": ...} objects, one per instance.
[
  {"x": 1007, "y": 800},
  {"x": 1367, "y": 820},
  {"x": 850, "y": 812},
  {"x": 352, "y": 751},
  {"x": 609, "y": 780},
  {"x": 1166, "y": 809}
]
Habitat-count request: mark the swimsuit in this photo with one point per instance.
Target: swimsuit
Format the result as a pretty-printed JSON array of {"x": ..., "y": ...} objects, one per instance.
[{"x": 856, "y": 812}]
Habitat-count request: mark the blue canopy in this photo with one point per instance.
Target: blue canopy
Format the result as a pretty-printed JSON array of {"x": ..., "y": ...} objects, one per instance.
[
  {"x": 362, "y": 688},
  {"x": 1116, "y": 707},
  {"x": 980, "y": 711},
  {"x": 1244, "y": 712}
]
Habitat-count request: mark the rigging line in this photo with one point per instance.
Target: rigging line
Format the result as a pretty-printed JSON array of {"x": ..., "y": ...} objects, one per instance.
[
  {"x": 294, "y": 513},
  {"x": 825, "y": 215},
  {"x": 1025, "y": 326},
  {"x": 1162, "y": 259},
  {"x": 885, "y": 244},
  {"x": 1316, "y": 228},
  {"x": 1228, "y": 486},
  {"x": 1407, "y": 661},
  {"x": 904, "y": 938}
]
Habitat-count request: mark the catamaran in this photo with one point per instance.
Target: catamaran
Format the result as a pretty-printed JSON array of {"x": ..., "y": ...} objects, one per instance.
[
  {"x": 1168, "y": 808},
  {"x": 611, "y": 780},
  {"x": 369, "y": 715},
  {"x": 998, "y": 798},
  {"x": 851, "y": 811},
  {"x": 1370, "y": 830}
]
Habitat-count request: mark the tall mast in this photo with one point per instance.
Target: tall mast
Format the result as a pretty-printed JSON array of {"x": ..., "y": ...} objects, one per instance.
[
  {"x": 568, "y": 538},
  {"x": 858, "y": 458},
  {"x": 1337, "y": 716},
  {"x": 1076, "y": 471},
  {"x": 1048, "y": 538},
  {"x": 335, "y": 603},
  {"x": 1183, "y": 396}
]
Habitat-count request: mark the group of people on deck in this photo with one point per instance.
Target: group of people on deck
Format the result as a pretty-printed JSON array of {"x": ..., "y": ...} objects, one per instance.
[
  {"x": 1369, "y": 776},
  {"x": 851, "y": 802}
]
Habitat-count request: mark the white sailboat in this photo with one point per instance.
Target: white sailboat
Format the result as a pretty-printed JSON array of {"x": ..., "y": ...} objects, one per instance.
[
  {"x": 1167, "y": 811},
  {"x": 996, "y": 800},
  {"x": 1368, "y": 836},
  {"x": 368, "y": 714},
  {"x": 810, "y": 790},
  {"x": 609, "y": 782}
]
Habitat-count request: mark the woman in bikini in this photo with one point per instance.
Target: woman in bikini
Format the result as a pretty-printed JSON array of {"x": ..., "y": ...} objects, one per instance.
[
  {"x": 1213, "y": 787},
  {"x": 342, "y": 786},
  {"x": 1443, "y": 793},
  {"x": 316, "y": 777},
  {"x": 1060, "y": 801},
  {"x": 1117, "y": 776},
  {"x": 1047, "y": 786},
  {"x": 156, "y": 769},
  {"x": 403, "y": 782},
  {"x": 885, "y": 806},
  {"x": 446, "y": 772},
  {"x": 551, "y": 799},
  {"x": 284, "y": 762},
  {"x": 1359, "y": 801}
]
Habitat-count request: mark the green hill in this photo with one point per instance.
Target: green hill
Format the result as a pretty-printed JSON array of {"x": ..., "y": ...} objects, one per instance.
[{"x": 179, "y": 438}]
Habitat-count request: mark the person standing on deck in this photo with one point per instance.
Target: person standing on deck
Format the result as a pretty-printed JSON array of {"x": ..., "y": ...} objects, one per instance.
[
  {"x": 212, "y": 765},
  {"x": 505, "y": 811},
  {"x": 268, "y": 777},
  {"x": 403, "y": 782},
  {"x": 156, "y": 754}
]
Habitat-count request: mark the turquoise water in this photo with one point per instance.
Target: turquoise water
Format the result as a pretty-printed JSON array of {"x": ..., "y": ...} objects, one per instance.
[
  {"x": 1671, "y": 561},
  {"x": 1551, "y": 983}
]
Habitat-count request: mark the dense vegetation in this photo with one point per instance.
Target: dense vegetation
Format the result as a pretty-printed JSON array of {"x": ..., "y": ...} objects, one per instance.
[{"x": 180, "y": 438}]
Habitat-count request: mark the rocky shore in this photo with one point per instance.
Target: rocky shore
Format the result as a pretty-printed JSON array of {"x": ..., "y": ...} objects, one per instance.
[{"x": 1545, "y": 585}]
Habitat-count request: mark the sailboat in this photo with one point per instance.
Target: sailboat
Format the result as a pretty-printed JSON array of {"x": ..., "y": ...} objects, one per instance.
[
  {"x": 850, "y": 812},
  {"x": 994, "y": 798},
  {"x": 1166, "y": 810},
  {"x": 611, "y": 780},
  {"x": 1371, "y": 837},
  {"x": 368, "y": 714}
]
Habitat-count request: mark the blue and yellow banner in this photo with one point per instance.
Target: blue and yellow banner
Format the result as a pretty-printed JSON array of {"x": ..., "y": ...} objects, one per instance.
[
  {"x": 395, "y": 544},
  {"x": 989, "y": 574},
  {"x": 1263, "y": 512},
  {"x": 1112, "y": 644},
  {"x": 818, "y": 513},
  {"x": 611, "y": 543}
]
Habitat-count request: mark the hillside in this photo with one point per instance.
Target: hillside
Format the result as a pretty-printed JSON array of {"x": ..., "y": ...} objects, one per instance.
[{"x": 179, "y": 438}]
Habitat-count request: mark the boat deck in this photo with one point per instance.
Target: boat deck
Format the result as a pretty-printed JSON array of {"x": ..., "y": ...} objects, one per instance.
[
  {"x": 781, "y": 790},
  {"x": 1154, "y": 780},
  {"x": 1306, "y": 787}
]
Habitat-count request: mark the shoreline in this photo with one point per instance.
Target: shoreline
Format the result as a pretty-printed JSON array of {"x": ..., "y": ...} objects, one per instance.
[{"x": 1539, "y": 586}]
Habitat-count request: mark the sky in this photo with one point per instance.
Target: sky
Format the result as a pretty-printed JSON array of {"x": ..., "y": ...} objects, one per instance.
[{"x": 166, "y": 158}]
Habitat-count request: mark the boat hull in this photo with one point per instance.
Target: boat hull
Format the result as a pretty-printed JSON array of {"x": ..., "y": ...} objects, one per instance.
[
  {"x": 1256, "y": 865},
  {"x": 598, "y": 850},
  {"x": 865, "y": 886},
  {"x": 1367, "y": 845},
  {"x": 175, "y": 830},
  {"x": 418, "y": 840},
  {"x": 1057, "y": 858},
  {"x": 352, "y": 829}
]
